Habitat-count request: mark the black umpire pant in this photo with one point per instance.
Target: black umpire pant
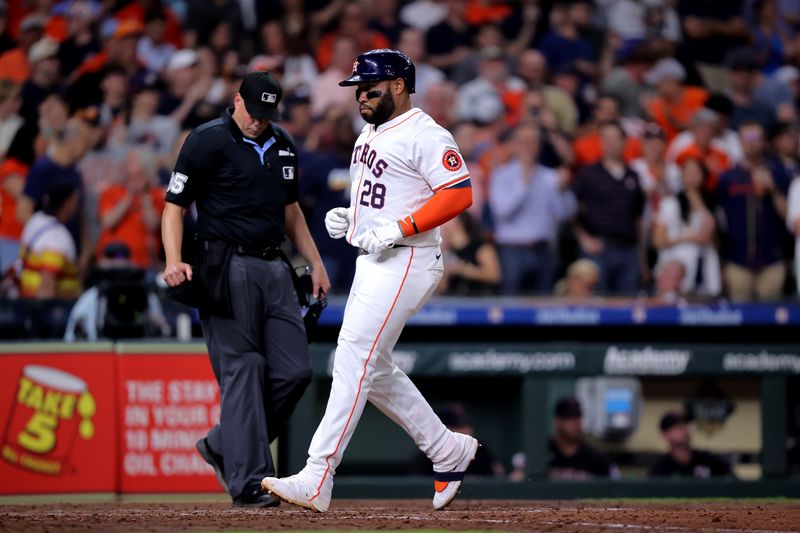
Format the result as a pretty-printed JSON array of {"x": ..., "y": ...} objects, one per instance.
[{"x": 261, "y": 360}]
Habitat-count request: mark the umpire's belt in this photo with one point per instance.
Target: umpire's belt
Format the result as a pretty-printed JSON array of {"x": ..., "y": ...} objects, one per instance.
[{"x": 267, "y": 253}]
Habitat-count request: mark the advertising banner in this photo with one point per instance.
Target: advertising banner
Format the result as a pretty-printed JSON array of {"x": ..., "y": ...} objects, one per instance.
[
  {"x": 58, "y": 414},
  {"x": 167, "y": 403}
]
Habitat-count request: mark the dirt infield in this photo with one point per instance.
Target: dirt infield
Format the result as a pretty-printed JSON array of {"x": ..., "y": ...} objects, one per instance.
[{"x": 373, "y": 515}]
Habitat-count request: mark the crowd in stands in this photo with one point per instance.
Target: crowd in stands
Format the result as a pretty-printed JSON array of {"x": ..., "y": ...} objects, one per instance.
[{"x": 616, "y": 147}]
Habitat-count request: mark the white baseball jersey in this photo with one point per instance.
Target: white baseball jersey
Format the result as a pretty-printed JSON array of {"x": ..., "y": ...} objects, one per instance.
[{"x": 397, "y": 167}]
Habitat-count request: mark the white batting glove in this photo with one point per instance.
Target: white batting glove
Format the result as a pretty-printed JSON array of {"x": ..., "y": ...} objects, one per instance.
[
  {"x": 381, "y": 238},
  {"x": 337, "y": 220}
]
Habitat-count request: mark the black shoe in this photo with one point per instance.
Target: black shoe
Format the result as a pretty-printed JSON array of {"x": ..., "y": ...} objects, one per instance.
[
  {"x": 255, "y": 497},
  {"x": 214, "y": 460}
]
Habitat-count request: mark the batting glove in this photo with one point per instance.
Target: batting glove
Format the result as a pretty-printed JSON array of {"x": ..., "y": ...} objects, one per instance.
[
  {"x": 381, "y": 238},
  {"x": 337, "y": 220}
]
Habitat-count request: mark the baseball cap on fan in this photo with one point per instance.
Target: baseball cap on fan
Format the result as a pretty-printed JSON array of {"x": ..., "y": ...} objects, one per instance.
[{"x": 261, "y": 93}]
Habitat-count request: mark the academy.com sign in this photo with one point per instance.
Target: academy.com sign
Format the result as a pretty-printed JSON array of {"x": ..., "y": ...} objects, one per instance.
[
  {"x": 762, "y": 362},
  {"x": 646, "y": 361},
  {"x": 517, "y": 362}
]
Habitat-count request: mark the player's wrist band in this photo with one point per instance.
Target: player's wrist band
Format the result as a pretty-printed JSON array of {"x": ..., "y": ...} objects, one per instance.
[{"x": 409, "y": 225}]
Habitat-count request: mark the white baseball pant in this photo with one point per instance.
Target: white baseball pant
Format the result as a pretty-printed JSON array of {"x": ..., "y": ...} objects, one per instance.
[{"x": 387, "y": 290}]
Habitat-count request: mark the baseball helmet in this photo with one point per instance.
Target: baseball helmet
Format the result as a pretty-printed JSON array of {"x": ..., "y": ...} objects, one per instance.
[{"x": 382, "y": 64}]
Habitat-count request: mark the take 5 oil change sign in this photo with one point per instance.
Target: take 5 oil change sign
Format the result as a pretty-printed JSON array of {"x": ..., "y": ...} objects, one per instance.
[{"x": 58, "y": 423}]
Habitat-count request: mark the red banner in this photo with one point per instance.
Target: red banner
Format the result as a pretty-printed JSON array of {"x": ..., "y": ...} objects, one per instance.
[
  {"x": 59, "y": 423},
  {"x": 167, "y": 402}
]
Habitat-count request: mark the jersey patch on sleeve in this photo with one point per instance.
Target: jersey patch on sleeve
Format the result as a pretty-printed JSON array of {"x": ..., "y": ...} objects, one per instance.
[{"x": 452, "y": 160}]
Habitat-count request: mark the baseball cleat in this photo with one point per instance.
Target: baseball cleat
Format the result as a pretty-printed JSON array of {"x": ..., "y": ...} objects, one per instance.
[
  {"x": 447, "y": 485},
  {"x": 297, "y": 491}
]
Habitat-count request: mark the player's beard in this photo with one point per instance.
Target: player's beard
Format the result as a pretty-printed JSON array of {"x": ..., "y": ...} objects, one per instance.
[{"x": 383, "y": 110}]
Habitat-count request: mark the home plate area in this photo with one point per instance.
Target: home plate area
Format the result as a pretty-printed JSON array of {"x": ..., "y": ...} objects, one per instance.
[{"x": 462, "y": 515}]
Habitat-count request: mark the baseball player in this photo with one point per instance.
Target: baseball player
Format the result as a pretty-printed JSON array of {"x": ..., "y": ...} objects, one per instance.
[{"x": 408, "y": 178}]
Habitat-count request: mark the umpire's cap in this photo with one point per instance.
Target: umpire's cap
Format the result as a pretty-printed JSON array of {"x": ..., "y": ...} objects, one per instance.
[
  {"x": 261, "y": 93},
  {"x": 382, "y": 64}
]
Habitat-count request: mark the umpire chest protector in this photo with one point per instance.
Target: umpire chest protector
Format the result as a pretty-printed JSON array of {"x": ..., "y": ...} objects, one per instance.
[{"x": 241, "y": 186}]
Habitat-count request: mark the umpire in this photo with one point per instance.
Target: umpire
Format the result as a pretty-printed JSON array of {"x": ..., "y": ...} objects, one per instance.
[{"x": 241, "y": 172}]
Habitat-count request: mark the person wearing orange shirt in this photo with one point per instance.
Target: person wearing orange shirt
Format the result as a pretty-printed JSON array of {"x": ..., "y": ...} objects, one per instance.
[
  {"x": 12, "y": 180},
  {"x": 703, "y": 127},
  {"x": 14, "y": 63},
  {"x": 353, "y": 24},
  {"x": 131, "y": 212},
  {"x": 674, "y": 103},
  {"x": 587, "y": 147}
]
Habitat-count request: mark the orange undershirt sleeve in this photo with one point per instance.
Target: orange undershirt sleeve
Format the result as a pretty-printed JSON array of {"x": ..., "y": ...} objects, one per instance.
[{"x": 445, "y": 204}]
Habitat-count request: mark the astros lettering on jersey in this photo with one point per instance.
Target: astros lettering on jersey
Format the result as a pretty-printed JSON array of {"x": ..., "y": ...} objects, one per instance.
[{"x": 397, "y": 167}]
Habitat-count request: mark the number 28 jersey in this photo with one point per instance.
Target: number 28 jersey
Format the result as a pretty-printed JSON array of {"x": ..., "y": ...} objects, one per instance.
[{"x": 397, "y": 167}]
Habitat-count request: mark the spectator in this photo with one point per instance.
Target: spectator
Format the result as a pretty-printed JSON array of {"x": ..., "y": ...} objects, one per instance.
[
  {"x": 610, "y": 204},
  {"x": 119, "y": 44},
  {"x": 626, "y": 82},
  {"x": 564, "y": 45},
  {"x": 44, "y": 78},
  {"x": 704, "y": 126},
  {"x": 352, "y": 24},
  {"x": 130, "y": 212},
  {"x": 65, "y": 147},
  {"x": 569, "y": 457},
  {"x": 754, "y": 96},
  {"x": 494, "y": 94},
  {"x": 440, "y": 103},
  {"x": 146, "y": 127},
  {"x": 153, "y": 51},
  {"x": 580, "y": 282},
  {"x": 588, "y": 147},
  {"x": 485, "y": 37},
  {"x": 326, "y": 90},
  {"x": 48, "y": 254},
  {"x": 685, "y": 233},
  {"x": 81, "y": 42},
  {"x": 753, "y": 207},
  {"x": 12, "y": 181},
  {"x": 681, "y": 460},
  {"x": 785, "y": 167},
  {"x": 472, "y": 267},
  {"x": 185, "y": 88},
  {"x": 14, "y": 62},
  {"x": 412, "y": 44},
  {"x": 532, "y": 69},
  {"x": 528, "y": 202},
  {"x": 657, "y": 178},
  {"x": 674, "y": 103},
  {"x": 202, "y": 16},
  {"x": 383, "y": 19},
  {"x": 725, "y": 139},
  {"x": 790, "y": 76},
  {"x": 448, "y": 42},
  {"x": 455, "y": 418},
  {"x": 770, "y": 42},
  {"x": 298, "y": 120},
  {"x": 711, "y": 28},
  {"x": 669, "y": 280},
  {"x": 297, "y": 66}
]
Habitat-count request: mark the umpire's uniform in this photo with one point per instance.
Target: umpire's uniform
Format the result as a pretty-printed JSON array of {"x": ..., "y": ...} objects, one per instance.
[{"x": 252, "y": 325}]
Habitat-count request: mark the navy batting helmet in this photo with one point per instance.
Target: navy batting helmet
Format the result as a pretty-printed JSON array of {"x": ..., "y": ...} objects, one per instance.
[{"x": 382, "y": 64}]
